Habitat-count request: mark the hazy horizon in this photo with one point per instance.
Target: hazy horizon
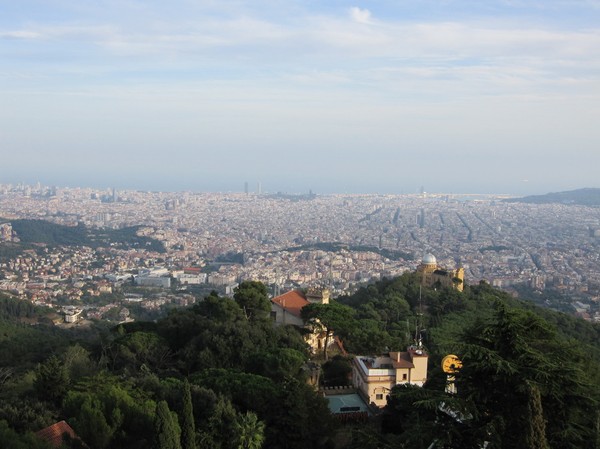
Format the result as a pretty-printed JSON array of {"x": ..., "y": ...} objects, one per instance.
[
  {"x": 271, "y": 189},
  {"x": 357, "y": 97}
]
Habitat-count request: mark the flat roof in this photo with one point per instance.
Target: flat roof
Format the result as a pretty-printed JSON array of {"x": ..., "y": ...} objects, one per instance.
[{"x": 346, "y": 403}]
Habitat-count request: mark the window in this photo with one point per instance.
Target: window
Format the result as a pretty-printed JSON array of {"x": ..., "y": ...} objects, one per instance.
[
  {"x": 404, "y": 376},
  {"x": 379, "y": 397}
]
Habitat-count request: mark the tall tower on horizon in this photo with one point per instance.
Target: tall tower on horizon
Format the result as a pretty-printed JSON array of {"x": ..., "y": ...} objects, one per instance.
[
  {"x": 246, "y": 187},
  {"x": 259, "y": 188}
]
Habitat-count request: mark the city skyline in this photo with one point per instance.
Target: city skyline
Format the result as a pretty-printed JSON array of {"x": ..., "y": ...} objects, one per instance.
[{"x": 348, "y": 97}]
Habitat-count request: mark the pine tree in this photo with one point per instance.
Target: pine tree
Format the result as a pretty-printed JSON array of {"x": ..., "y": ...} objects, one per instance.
[
  {"x": 188, "y": 426},
  {"x": 52, "y": 380},
  {"x": 502, "y": 359}
]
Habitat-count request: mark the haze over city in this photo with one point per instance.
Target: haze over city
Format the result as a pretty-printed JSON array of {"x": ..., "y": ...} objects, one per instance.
[{"x": 456, "y": 96}]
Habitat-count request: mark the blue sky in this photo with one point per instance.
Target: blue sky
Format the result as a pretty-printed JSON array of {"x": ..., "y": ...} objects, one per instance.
[{"x": 377, "y": 96}]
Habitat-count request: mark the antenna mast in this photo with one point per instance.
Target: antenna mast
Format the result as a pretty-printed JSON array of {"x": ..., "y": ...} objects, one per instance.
[{"x": 419, "y": 325}]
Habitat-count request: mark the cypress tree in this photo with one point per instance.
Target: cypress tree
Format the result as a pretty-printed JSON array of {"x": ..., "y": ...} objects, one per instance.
[
  {"x": 167, "y": 430},
  {"x": 535, "y": 437},
  {"x": 188, "y": 426},
  {"x": 91, "y": 424}
]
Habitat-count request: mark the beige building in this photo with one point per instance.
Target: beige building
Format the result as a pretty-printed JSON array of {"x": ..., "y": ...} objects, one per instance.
[
  {"x": 286, "y": 309},
  {"x": 72, "y": 314},
  {"x": 433, "y": 275},
  {"x": 374, "y": 377}
]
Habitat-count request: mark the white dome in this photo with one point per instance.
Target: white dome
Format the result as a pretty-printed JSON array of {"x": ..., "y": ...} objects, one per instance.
[{"x": 429, "y": 259}]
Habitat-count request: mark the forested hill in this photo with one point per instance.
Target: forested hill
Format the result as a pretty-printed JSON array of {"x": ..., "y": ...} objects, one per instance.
[
  {"x": 217, "y": 375},
  {"x": 220, "y": 375},
  {"x": 530, "y": 377},
  {"x": 583, "y": 197},
  {"x": 40, "y": 231}
]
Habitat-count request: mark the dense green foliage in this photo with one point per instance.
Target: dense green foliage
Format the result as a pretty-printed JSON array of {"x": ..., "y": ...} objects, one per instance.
[
  {"x": 15, "y": 308},
  {"x": 12, "y": 440},
  {"x": 337, "y": 371},
  {"x": 40, "y": 231},
  {"x": 167, "y": 431},
  {"x": 329, "y": 318},
  {"x": 220, "y": 375},
  {"x": 226, "y": 375},
  {"x": 336, "y": 247},
  {"x": 188, "y": 426},
  {"x": 384, "y": 315},
  {"x": 529, "y": 377},
  {"x": 10, "y": 250},
  {"x": 253, "y": 298}
]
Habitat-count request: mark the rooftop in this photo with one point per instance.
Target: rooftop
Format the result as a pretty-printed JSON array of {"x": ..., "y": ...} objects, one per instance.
[
  {"x": 346, "y": 403},
  {"x": 54, "y": 433},
  {"x": 292, "y": 302}
]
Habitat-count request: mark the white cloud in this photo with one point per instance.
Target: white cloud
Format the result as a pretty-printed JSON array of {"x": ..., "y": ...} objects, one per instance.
[
  {"x": 22, "y": 34},
  {"x": 360, "y": 15}
]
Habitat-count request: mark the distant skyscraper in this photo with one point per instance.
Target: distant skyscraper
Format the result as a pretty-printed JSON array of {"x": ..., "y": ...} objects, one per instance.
[
  {"x": 422, "y": 219},
  {"x": 259, "y": 188},
  {"x": 114, "y": 195},
  {"x": 246, "y": 187}
]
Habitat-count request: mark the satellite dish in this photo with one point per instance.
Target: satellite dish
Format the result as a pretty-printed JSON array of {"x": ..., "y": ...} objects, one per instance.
[{"x": 451, "y": 364}]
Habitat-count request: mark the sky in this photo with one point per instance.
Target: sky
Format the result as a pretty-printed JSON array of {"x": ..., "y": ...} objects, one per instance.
[{"x": 455, "y": 96}]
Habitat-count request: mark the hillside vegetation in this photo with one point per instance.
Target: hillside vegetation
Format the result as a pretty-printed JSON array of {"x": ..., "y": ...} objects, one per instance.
[
  {"x": 40, "y": 231},
  {"x": 220, "y": 375}
]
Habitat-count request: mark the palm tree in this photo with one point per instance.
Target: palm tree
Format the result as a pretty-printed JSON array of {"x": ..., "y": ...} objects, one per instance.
[{"x": 250, "y": 431}]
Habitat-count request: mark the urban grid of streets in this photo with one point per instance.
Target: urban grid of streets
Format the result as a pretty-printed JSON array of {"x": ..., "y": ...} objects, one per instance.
[{"x": 551, "y": 246}]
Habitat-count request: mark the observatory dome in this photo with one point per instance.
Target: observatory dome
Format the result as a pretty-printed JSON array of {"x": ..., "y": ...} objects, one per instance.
[{"x": 429, "y": 259}]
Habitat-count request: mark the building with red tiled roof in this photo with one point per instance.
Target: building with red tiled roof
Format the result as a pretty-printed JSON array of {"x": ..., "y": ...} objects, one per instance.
[
  {"x": 54, "y": 434},
  {"x": 287, "y": 309}
]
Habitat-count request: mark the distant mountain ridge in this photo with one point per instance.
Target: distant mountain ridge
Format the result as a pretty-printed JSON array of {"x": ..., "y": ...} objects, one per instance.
[{"x": 583, "y": 197}]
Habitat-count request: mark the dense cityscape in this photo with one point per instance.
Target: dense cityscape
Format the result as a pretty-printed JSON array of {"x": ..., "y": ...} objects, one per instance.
[
  {"x": 217, "y": 240},
  {"x": 299, "y": 225}
]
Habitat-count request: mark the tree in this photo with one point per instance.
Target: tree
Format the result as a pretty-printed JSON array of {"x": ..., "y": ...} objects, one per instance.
[
  {"x": 51, "y": 380},
  {"x": 166, "y": 427},
  {"x": 277, "y": 363},
  {"x": 337, "y": 371},
  {"x": 126, "y": 409},
  {"x": 507, "y": 362},
  {"x": 221, "y": 425},
  {"x": 91, "y": 425},
  {"x": 9, "y": 439},
  {"x": 188, "y": 426},
  {"x": 249, "y": 431},
  {"x": 142, "y": 348},
  {"x": 332, "y": 317},
  {"x": 77, "y": 362},
  {"x": 535, "y": 437},
  {"x": 253, "y": 298}
]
